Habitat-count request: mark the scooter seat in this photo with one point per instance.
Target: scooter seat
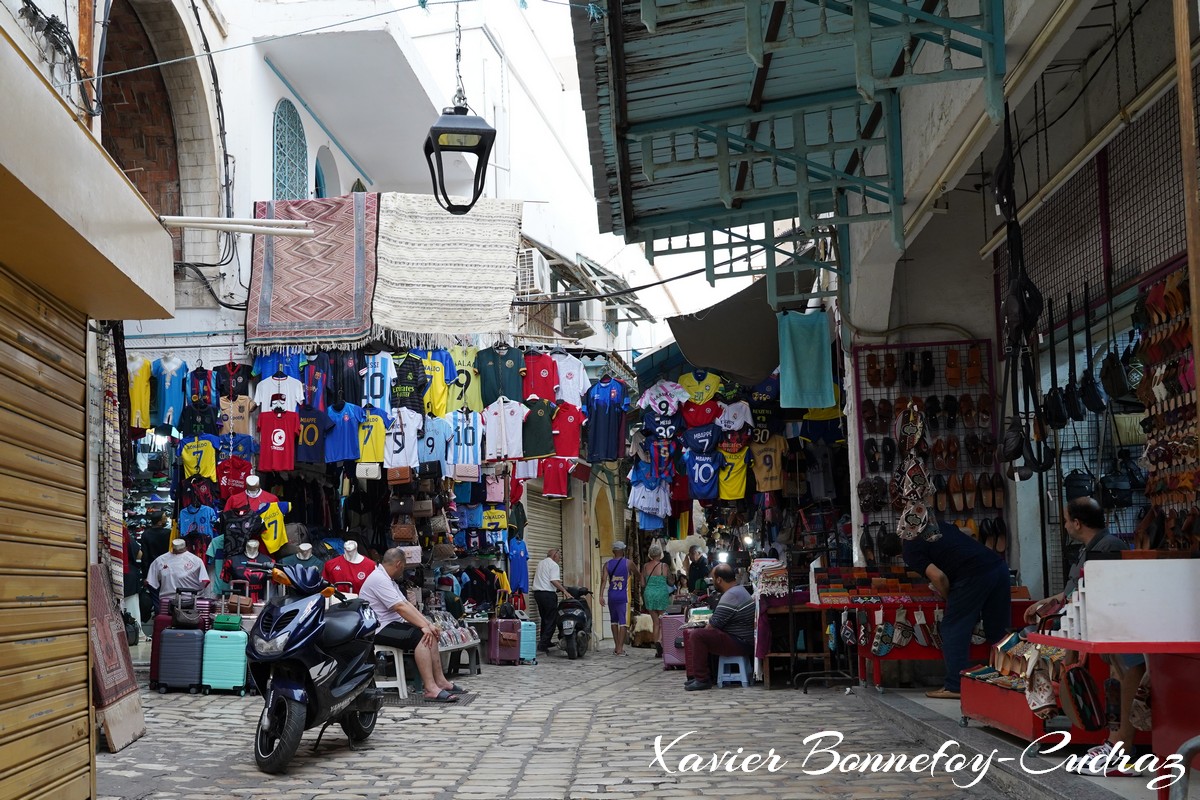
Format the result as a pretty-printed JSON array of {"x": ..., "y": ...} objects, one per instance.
[{"x": 340, "y": 625}]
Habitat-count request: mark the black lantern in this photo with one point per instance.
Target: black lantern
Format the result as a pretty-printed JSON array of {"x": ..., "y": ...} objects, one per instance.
[{"x": 458, "y": 131}]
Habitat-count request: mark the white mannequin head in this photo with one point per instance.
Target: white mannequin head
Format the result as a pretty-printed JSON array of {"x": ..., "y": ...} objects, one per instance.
[
  {"x": 253, "y": 486},
  {"x": 178, "y": 546},
  {"x": 305, "y": 552},
  {"x": 252, "y": 548},
  {"x": 352, "y": 554}
]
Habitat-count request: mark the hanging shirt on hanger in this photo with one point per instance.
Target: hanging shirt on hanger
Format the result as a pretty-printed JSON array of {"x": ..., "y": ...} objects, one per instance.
[
  {"x": 197, "y": 519},
  {"x": 286, "y": 393},
  {"x": 464, "y": 392},
  {"x": 436, "y": 438},
  {"x": 605, "y": 406},
  {"x": 703, "y": 470},
  {"x": 341, "y": 441},
  {"x": 541, "y": 377},
  {"x": 662, "y": 426},
  {"x": 345, "y": 371},
  {"x": 199, "y": 417},
  {"x": 378, "y": 374},
  {"x": 664, "y": 397},
  {"x": 139, "y": 391},
  {"x": 768, "y": 463},
  {"x": 734, "y": 416},
  {"x": 697, "y": 414},
  {"x": 315, "y": 377},
  {"x": 503, "y": 421},
  {"x": 235, "y": 414},
  {"x": 573, "y": 380},
  {"x": 556, "y": 477},
  {"x": 233, "y": 379},
  {"x": 277, "y": 440},
  {"x": 701, "y": 386},
  {"x": 202, "y": 384},
  {"x": 518, "y": 565},
  {"x": 403, "y": 439},
  {"x": 268, "y": 363},
  {"x": 198, "y": 456},
  {"x": 310, "y": 447},
  {"x": 372, "y": 433},
  {"x": 468, "y": 436},
  {"x": 240, "y": 445},
  {"x": 170, "y": 379},
  {"x": 567, "y": 430},
  {"x": 537, "y": 433},
  {"x": 440, "y": 369},
  {"x": 703, "y": 439},
  {"x": 500, "y": 369},
  {"x": 408, "y": 390},
  {"x": 231, "y": 476},
  {"x": 733, "y": 474}
]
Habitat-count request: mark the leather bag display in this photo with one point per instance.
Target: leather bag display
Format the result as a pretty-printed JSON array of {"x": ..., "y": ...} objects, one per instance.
[
  {"x": 1075, "y": 407},
  {"x": 184, "y": 611},
  {"x": 1054, "y": 406},
  {"x": 1089, "y": 388}
]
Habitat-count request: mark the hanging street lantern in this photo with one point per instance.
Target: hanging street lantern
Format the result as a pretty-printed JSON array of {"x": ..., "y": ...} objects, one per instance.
[{"x": 458, "y": 131}]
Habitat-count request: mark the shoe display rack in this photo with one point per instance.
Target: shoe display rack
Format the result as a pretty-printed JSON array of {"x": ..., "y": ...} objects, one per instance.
[{"x": 951, "y": 383}]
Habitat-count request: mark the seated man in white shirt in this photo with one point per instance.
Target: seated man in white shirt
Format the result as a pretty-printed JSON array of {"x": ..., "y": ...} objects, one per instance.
[{"x": 407, "y": 628}]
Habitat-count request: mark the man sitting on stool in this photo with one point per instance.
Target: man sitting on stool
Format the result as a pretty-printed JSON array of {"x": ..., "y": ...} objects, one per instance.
[
  {"x": 729, "y": 632},
  {"x": 405, "y": 627}
]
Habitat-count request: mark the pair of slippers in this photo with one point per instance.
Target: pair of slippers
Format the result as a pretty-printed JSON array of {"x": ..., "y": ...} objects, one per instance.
[{"x": 447, "y": 695}]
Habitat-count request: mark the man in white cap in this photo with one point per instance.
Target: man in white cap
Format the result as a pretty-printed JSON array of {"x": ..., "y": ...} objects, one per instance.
[
  {"x": 253, "y": 498},
  {"x": 616, "y": 577}
]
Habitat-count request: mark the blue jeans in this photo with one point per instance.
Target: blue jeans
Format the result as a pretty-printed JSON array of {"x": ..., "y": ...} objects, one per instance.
[{"x": 986, "y": 596}]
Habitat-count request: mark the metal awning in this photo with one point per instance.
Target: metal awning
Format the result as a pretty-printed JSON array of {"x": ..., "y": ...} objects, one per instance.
[{"x": 713, "y": 121}]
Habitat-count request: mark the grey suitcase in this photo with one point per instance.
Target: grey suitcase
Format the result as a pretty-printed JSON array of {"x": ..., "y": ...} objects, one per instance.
[{"x": 180, "y": 659}]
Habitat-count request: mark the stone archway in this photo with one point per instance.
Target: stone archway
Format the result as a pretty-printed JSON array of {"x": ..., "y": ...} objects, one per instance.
[{"x": 158, "y": 123}]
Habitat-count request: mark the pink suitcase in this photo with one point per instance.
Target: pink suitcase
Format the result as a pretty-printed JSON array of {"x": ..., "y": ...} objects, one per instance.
[
  {"x": 672, "y": 629},
  {"x": 504, "y": 641}
]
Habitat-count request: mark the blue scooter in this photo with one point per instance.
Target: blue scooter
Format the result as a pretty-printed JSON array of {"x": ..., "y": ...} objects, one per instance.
[{"x": 313, "y": 666}]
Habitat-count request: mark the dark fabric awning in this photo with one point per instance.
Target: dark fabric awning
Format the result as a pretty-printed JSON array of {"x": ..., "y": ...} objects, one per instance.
[{"x": 738, "y": 337}]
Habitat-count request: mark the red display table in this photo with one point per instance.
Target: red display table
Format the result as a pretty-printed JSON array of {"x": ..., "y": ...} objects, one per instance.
[{"x": 1175, "y": 691}]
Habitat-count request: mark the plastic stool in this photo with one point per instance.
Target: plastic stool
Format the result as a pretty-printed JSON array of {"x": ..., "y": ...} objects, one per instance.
[
  {"x": 399, "y": 683},
  {"x": 733, "y": 669}
]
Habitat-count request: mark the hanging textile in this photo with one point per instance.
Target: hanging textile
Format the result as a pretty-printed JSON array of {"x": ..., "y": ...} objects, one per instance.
[
  {"x": 805, "y": 362},
  {"x": 111, "y": 478}
]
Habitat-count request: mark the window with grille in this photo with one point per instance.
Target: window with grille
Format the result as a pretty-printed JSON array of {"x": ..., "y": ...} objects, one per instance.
[{"x": 291, "y": 154}]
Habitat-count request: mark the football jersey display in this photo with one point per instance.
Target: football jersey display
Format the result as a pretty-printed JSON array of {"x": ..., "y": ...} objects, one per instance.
[
  {"x": 436, "y": 443},
  {"x": 345, "y": 370},
  {"x": 372, "y": 432},
  {"x": 468, "y": 436},
  {"x": 567, "y": 430},
  {"x": 734, "y": 416},
  {"x": 573, "y": 380},
  {"x": 198, "y": 456},
  {"x": 697, "y": 414},
  {"x": 662, "y": 426},
  {"x": 277, "y": 439},
  {"x": 231, "y": 476},
  {"x": 378, "y": 373},
  {"x": 500, "y": 370},
  {"x": 464, "y": 392},
  {"x": 341, "y": 440},
  {"x": 202, "y": 385},
  {"x": 538, "y": 431},
  {"x": 518, "y": 564},
  {"x": 403, "y": 439},
  {"x": 701, "y": 386},
  {"x": 198, "y": 417},
  {"x": 274, "y": 532},
  {"x": 235, "y": 414},
  {"x": 733, "y": 474},
  {"x": 283, "y": 393},
  {"x": 241, "y": 445},
  {"x": 495, "y": 518},
  {"x": 605, "y": 405},
  {"x": 556, "y": 477},
  {"x": 315, "y": 377},
  {"x": 703, "y": 439},
  {"x": 197, "y": 519},
  {"x": 408, "y": 390},
  {"x": 268, "y": 363},
  {"x": 734, "y": 441},
  {"x": 541, "y": 377},
  {"x": 766, "y": 393},
  {"x": 139, "y": 392},
  {"x": 664, "y": 397},
  {"x": 170, "y": 379},
  {"x": 768, "y": 464},
  {"x": 310, "y": 445},
  {"x": 503, "y": 421},
  {"x": 440, "y": 370},
  {"x": 233, "y": 379},
  {"x": 339, "y": 570}
]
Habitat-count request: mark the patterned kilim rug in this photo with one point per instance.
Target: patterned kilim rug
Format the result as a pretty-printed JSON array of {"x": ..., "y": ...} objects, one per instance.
[
  {"x": 317, "y": 291},
  {"x": 442, "y": 275}
]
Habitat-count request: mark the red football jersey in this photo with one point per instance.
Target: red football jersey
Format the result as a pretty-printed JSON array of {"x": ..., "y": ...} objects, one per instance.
[
  {"x": 568, "y": 430},
  {"x": 339, "y": 570},
  {"x": 277, "y": 440}
]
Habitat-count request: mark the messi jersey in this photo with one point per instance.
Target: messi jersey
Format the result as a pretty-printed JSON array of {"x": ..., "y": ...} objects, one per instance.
[{"x": 468, "y": 436}]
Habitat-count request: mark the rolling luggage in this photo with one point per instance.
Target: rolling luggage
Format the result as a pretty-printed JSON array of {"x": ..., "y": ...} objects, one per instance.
[
  {"x": 528, "y": 642},
  {"x": 180, "y": 659},
  {"x": 672, "y": 632},
  {"x": 504, "y": 641},
  {"x": 161, "y": 623},
  {"x": 225, "y": 660}
]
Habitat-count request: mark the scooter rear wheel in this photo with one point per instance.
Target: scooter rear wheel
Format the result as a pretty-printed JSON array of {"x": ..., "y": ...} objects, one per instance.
[
  {"x": 277, "y": 738},
  {"x": 572, "y": 647},
  {"x": 358, "y": 725}
]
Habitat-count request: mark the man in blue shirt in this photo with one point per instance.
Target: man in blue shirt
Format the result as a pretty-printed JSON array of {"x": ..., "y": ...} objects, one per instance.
[{"x": 974, "y": 582}]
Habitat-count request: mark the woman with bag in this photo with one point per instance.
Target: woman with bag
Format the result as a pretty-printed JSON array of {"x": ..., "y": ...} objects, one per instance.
[{"x": 659, "y": 581}]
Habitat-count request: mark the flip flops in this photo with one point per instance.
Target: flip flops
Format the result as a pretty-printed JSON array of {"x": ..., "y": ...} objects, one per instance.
[
  {"x": 974, "y": 365},
  {"x": 455, "y": 689},
  {"x": 889, "y": 369},
  {"x": 953, "y": 368},
  {"x": 443, "y": 696},
  {"x": 873, "y": 374}
]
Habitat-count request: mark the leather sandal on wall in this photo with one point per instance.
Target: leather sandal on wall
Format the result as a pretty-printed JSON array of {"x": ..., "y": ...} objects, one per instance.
[{"x": 953, "y": 368}]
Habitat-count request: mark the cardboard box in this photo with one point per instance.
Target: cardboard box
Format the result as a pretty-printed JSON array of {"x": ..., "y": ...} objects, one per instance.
[{"x": 1142, "y": 600}]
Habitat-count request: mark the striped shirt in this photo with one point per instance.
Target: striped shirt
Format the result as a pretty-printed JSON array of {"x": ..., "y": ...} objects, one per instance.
[
  {"x": 735, "y": 614},
  {"x": 467, "y": 436}
]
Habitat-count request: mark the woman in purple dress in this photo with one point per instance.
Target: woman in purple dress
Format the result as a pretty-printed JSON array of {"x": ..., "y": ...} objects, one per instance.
[{"x": 616, "y": 578}]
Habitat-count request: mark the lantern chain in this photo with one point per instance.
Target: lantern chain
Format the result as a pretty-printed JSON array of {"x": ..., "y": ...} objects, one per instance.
[{"x": 460, "y": 95}]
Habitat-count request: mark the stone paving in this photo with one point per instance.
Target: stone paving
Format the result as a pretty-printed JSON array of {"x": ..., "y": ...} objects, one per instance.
[{"x": 557, "y": 729}]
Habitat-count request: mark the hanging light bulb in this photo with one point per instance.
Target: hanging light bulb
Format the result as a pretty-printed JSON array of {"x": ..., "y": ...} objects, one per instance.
[{"x": 458, "y": 131}]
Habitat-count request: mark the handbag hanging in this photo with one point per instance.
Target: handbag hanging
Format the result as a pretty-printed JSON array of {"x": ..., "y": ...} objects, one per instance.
[
  {"x": 1112, "y": 369},
  {"x": 1075, "y": 407},
  {"x": 404, "y": 532},
  {"x": 368, "y": 470},
  {"x": 1054, "y": 407},
  {"x": 399, "y": 475},
  {"x": 1089, "y": 388},
  {"x": 422, "y": 509},
  {"x": 466, "y": 473},
  {"x": 1080, "y": 699},
  {"x": 1079, "y": 483}
]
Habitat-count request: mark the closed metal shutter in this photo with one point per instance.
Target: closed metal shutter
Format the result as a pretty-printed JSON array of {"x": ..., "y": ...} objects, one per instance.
[
  {"x": 543, "y": 531},
  {"x": 45, "y": 727}
]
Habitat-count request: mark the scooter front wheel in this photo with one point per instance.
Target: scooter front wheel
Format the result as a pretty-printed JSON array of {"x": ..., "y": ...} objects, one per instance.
[{"x": 277, "y": 738}]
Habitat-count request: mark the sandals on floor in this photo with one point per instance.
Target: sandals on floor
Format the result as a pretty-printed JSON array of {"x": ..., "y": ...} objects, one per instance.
[
  {"x": 455, "y": 689},
  {"x": 444, "y": 696}
]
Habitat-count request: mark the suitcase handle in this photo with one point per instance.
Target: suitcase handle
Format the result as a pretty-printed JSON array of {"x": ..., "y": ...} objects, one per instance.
[{"x": 234, "y": 584}]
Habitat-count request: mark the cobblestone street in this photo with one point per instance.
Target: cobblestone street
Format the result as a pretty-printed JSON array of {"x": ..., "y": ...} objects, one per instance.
[{"x": 559, "y": 729}]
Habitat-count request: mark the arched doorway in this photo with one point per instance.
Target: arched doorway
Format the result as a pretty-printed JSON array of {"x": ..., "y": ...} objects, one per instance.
[{"x": 328, "y": 184}]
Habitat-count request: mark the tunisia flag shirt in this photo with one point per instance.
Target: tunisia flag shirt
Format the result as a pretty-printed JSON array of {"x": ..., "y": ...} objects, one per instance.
[{"x": 277, "y": 440}]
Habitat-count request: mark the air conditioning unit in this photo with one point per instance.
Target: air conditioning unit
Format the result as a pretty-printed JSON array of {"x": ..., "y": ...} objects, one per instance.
[
  {"x": 533, "y": 273},
  {"x": 582, "y": 318}
]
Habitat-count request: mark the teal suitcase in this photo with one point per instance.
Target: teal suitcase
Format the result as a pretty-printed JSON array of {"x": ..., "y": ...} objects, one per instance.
[{"x": 225, "y": 661}]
